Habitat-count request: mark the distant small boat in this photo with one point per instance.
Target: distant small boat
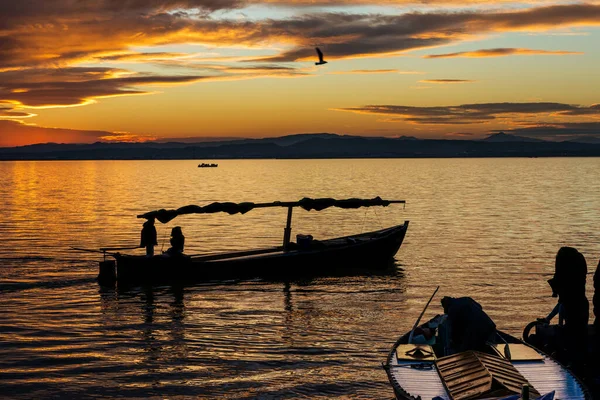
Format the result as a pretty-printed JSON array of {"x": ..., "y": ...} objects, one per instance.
[
  {"x": 205, "y": 165},
  {"x": 426, "y": 371}
]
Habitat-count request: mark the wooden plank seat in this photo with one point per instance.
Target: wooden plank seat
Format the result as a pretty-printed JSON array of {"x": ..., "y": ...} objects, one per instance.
[{"x": 476, "y": 375}]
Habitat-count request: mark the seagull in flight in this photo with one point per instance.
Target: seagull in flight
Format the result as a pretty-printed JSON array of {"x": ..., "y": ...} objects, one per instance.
[{"x": 320, "y": 54}]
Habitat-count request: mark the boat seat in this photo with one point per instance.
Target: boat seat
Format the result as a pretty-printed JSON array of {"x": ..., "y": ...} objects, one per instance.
[
  {"x": 518, "y": 352},
  {"x": 415, "y": 352},
  {"x": 475, "y": 375}
]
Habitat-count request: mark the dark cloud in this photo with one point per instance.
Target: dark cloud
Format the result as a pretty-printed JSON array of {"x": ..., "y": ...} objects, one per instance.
[
  {"x": 56, "y": 34},
  {"x": 76, "y": 86},
  {"x": 499, "y": 52},
  {"x": 373, "y": 71},
  {"x": 446, "y": 81},
  {"x": 143, "y": 57},
  {"x": 474, "y": 113},
  {"x": 76, "y": 8}
]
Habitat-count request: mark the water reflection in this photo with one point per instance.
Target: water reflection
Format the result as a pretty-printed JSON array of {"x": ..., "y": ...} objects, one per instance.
[
  {"x": 246, "y": 339},
  {"x": 494, "y": 239}
]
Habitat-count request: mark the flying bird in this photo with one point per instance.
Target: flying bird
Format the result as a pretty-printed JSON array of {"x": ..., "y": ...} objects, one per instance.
[{"x": 320, "y": 54}]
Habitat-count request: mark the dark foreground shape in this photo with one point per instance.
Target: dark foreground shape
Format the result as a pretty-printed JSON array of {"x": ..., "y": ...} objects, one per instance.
[
  {"x": 372, "y": 250},
  {"x": 549, "y": 339},
  {"x": 430, "y": 373}
]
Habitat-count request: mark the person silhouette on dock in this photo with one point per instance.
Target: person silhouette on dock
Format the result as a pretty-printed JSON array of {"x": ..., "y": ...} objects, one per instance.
[
  {"x": 568, "y": 283},
  {"x": 149, "y": 239},
  {"x": 177, "y": 242}
]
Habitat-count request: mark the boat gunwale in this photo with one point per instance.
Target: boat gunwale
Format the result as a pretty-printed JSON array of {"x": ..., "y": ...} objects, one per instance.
[{"x": 266, "y": 252}]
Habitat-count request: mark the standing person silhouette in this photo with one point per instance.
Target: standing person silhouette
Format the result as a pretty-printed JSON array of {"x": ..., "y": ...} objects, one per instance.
[
  {"x": 568, "y": 283},
  {"x": 149, "y": 239}
]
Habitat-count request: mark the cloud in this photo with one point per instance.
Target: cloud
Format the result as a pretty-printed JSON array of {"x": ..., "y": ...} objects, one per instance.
[
  {"x": 144, "y": 57},
  {"x": 445, "y": 81},
  {"x": 59, "y": 33},
  {"x": 361, "y": 35},
  {"x": 8, "y": 112},
  {"x": 48, "y": 88},
  {"x": 15, "y": 133},
  {"x": 47, "y": 47},
  {"x": 498, "y": 52},
  {"x": 476, "y": 113},
  {"x": 374, "y": 71}
]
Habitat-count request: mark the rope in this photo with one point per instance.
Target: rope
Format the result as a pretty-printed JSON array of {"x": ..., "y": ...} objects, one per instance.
[
  {"x": 378, "y": 219},
  {"x": 162, "y": 246},
  {"x": 362, "y": 228}
]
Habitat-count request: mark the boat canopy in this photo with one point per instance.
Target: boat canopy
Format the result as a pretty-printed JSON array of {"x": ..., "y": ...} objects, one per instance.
[{"x": 306, "y": 203}]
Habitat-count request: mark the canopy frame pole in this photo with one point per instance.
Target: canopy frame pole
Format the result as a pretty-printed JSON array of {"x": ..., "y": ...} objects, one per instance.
[
  {"x": 412, "y": 332},
  {"x": 287, "y": 232}
]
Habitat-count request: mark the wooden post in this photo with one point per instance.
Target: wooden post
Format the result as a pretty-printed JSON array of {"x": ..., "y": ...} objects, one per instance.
[
  {"x": 525, "y": 392},
  {"x": 287, "y": 232},
  {"x": 107, "y": 275}
]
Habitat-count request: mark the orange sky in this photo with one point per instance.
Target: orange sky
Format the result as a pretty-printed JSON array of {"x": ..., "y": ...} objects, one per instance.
[{"x": 79, "y": 72}]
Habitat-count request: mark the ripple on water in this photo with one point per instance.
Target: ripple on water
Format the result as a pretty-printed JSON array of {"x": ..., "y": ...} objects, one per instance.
[{"x": 486, "y": 228}]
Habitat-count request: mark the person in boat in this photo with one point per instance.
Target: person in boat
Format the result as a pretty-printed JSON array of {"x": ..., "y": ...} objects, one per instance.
[
  {"x": 177, "y": 242},
  {"x": 424, "y": 335},
  {"x": 568, "y": 284},
  {"x": 149, "y": 239},
  {"x": 470, "y": 328}
]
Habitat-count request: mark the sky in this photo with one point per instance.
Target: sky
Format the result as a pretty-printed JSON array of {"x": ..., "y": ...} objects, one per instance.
[{"x": 76, "y": 71}]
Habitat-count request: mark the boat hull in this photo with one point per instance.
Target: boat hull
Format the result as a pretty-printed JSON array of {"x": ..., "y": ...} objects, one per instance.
[{"x": 373, "y": 250}]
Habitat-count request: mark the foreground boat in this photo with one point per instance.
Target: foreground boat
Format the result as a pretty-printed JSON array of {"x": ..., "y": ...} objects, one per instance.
[
  {"x": 371, "y": 250},
  {"x": 425, "y": 372}
]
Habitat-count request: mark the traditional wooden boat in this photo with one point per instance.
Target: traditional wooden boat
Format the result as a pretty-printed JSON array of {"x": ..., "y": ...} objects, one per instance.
[
  {"x": 431, "y": 371},
  {"x": 307, "y": 257}
]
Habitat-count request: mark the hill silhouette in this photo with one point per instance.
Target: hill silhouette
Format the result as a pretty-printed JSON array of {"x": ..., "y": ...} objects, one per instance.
[
  {"x": 320, "y": 145},
  {"x": 504, "y": 137}
]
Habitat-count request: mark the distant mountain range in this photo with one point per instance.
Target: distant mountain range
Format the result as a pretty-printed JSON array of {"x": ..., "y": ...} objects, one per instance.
[
  {"x": 502, "y": 137},
  {"x": 312, "y": 145}
]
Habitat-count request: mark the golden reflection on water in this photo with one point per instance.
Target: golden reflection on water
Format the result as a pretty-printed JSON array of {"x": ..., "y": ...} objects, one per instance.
[{"x": 487, "y": 228}]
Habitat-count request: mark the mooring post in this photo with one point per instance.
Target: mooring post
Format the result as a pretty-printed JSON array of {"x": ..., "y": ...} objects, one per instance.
[
  {"x": 107, "y": 275},
  {"x": 287, "y": 232}
]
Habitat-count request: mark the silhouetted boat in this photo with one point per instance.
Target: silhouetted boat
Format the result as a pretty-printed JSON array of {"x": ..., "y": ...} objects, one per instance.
[
  {"x": 204, "y": 165},
  {"x": 371, "y": 250},
  {"x": 432, "y": 372}
]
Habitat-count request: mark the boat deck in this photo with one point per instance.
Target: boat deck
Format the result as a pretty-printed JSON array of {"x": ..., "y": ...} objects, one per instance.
[
  {"x": 545, "y": 375},
  {"x": 548, "y": 375},
  {"x": 418, "y": 382}
]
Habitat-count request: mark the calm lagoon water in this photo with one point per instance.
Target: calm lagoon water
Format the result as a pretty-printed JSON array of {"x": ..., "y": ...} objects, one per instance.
[{"x": 486, "y": 228}]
